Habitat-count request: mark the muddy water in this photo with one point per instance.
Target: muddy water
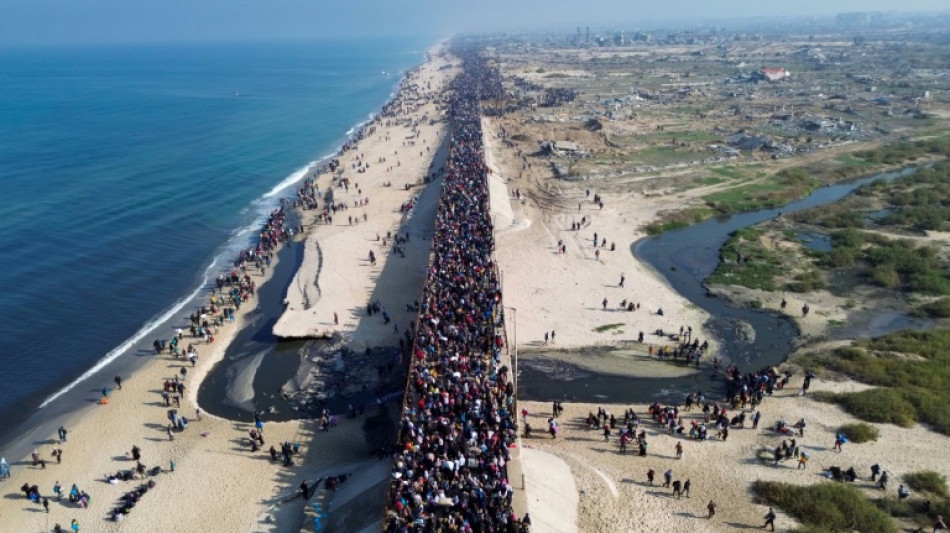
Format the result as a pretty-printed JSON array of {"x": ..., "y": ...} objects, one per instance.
[{"x": 685, "y": 258}]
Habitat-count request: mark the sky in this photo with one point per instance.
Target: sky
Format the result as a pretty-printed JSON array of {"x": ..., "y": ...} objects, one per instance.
[{"x": 39, "y": 22}]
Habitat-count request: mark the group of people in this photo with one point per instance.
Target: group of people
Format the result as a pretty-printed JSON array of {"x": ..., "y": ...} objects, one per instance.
[{"x": 449, "y": 461}]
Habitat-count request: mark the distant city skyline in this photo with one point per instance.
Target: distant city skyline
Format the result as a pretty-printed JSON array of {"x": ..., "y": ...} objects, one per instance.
[{"x": 121, "y": 21}]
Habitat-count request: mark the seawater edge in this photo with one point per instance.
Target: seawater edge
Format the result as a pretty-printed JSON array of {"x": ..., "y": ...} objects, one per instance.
[{"x": 69, "y": 402}]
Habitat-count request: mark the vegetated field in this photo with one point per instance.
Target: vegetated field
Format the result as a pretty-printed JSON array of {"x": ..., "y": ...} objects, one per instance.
[
  {"x": 826, "y": 507},
  {"x": 896, "y": 209},
  {"x": 757, "y": 259},
  {"x": 911, "y": 371},
  {"x": 764, "y": 191}
]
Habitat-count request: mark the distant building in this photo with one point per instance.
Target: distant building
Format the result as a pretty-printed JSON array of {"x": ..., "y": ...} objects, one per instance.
[{"x": 773, "y": 74}]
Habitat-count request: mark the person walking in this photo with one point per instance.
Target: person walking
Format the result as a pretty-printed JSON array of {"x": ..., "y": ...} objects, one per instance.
[
  {"x": 679, "y": 450},
  {"x": 74, "y": 526},
  {"x": 770, "y": 519},
  {"x": 668, "y": 478},
  {"x": 839, "y": 441},
  {"x": 712, "y": 509},
  {"x": 4, "y": 468},
  {"x": 802, "y": 461},
  {"x": 686, "y": 486},
  {"x": 118, "y": 382}
]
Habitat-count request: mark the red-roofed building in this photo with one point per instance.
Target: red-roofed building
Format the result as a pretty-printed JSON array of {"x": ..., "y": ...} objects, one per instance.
[{"x": 774, "y": 74}]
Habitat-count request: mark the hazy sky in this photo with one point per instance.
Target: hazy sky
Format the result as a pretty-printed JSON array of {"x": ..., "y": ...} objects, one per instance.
[{"x": 111, "y": 21}]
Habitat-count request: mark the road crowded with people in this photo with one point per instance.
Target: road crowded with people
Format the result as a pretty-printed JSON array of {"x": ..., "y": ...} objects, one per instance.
[{"x": 449, "y": 462}]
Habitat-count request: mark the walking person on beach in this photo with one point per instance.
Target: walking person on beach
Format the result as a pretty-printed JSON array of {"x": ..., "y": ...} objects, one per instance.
[
  {"x": 4, "y": 468},
  {"x": 712, "y": 509},
  {"x": 118, "y": 382},
  {"x": 839, "y": 442},
  {"x": 62, "y": 434},
  {"x": 770, "y": 519}
]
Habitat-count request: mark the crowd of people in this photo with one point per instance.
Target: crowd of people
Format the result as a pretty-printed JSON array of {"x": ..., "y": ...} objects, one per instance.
[{"x": 449, "y": 461}]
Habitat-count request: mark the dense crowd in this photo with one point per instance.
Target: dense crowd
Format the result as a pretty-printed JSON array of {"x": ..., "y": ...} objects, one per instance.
[{"x": 449, "y": 461}]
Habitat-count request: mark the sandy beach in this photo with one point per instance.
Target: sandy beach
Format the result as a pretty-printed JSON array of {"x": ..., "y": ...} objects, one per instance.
[
  {"x": 613, "y": 489},
  {"x": 218, "y": 483},
  {"x": 568, "y": 299}
]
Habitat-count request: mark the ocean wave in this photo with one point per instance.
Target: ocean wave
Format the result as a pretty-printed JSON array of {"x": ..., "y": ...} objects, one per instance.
[
  {"x": 293, "y": 178},
  {"x": 149, "y": 327}
]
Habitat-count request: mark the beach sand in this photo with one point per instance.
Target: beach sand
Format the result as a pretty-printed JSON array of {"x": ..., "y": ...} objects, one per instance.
[
  {"x": 336, "y": 275},
  {"x": 613, "y": 489},
  {"x": 564, "y": 292},
  {"x": 546, "y": 291},
  {"x": 218, "y": 483}
]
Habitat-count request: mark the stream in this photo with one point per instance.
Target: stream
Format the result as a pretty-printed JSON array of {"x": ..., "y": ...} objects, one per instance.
[{"x": 686, "y": 257}]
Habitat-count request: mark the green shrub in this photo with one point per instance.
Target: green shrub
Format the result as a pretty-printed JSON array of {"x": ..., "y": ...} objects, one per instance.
[
  {"x": 911, "y": 389},
  {"x": 882, "y": 405},
  {"x": 886, "y": 276},
  {"x": 841, "y": 257},
  {"x": 937, "y": 309},
  {"x": 927, "y": 481},
  {"x": 807, "y": 282},
  {"x": 826, "y": 507},
  {"x": 860, "y": 432}
]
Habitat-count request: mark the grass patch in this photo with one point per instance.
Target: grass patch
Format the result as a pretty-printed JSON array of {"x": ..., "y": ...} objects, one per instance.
[
  {"x": 675, "y": 220},
  {"x": 936, "y": 309},
  {"x": 927, "y": 481},
  {"x": 911, "y": 370},
  {"x": 898, "y": 264},
  {"x": 785, "y": 186},
  {"x": 859, "y": 433},
  {"x": 711, "y": 180},
  {"x": 835, "y": 323},
  {"x": 826, "y": 507},
  {"x": 728, "y": 172},
  {"x": 607, "y": 327},
  {"x": 745, "y": 261}
]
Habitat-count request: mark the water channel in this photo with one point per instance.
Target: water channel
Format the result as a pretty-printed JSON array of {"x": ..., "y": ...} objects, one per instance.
[{"x": 686, "y": 258}]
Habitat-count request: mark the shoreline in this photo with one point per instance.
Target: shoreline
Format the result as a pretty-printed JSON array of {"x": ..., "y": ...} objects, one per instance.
[{"x": 209, "y": 453}]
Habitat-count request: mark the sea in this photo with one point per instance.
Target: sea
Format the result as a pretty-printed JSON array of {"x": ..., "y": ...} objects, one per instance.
[{"x": 130, "y": 176}]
